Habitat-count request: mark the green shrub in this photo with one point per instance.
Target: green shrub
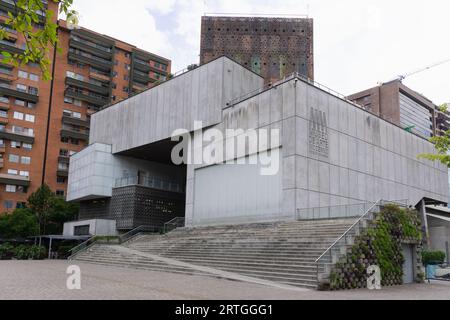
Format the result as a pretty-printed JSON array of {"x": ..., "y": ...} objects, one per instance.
[
  {"x": 21, "y": 252},
  {"x": 37, "y": 253},
  {"x": 433, "y": 257},
  {"x": 6, "y": 251}
]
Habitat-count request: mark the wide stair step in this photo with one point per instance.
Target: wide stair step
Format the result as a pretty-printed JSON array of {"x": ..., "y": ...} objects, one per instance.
[{"x": 280, "y": 252}]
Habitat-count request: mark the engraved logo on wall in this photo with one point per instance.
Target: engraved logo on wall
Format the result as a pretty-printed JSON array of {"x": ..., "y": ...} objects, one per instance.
[{"x": 318, "y": 134}]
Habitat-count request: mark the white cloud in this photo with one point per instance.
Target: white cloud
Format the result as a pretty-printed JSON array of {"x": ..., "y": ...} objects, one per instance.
[{"x": 357, "y": 43}]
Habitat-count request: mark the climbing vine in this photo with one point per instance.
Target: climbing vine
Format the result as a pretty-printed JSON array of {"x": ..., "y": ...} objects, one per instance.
[{"x": 381, "y": 245}]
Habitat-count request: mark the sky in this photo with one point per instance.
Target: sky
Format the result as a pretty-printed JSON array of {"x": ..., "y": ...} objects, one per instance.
[{"x": 357, "y": 43}]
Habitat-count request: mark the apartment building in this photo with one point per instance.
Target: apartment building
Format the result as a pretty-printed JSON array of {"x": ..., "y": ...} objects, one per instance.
[
  {"x": 270, "y": 47},
  {"x": 395, "y": 102},
  {"x": 43, "y": 123}
]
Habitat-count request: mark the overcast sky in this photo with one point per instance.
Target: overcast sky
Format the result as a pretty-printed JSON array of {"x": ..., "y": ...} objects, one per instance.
[{"x": 357, "y": 43}]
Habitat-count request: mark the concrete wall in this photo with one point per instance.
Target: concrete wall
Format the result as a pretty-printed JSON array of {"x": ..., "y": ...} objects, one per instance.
[
  {"x": 93, "y": 172},
  {"x": 198, "y": 95},
  {"x": 97, "y": 227},
  {"x": 364, "y": 158}
]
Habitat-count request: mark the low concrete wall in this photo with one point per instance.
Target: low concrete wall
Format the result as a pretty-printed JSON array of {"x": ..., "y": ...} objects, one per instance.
[{"x": 96, "y": 227}]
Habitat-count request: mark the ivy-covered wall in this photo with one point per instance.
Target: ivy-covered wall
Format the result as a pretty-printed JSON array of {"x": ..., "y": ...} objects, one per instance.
[{"x": 380, "y": 244}]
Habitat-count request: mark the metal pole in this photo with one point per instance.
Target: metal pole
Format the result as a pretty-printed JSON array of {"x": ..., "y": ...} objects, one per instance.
[
  {"x": 425, "y": 223},
  {"x": 50, "y": 249}
]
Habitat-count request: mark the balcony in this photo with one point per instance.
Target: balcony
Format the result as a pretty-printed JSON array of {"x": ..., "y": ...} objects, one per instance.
[
  {"x": 95, "y": 100},
  {"x": 87, "y": 46},
  {"x": 10, "y": 47},
  {"x": 75, "y": 121},
  {"x": 100, "y": 77},
  {"x": 62, "y": 172},
  {"x": 9, "y": 92},
  {"x": 141, "y": 65},
  {"x": 4, "y": 105},
  {"x": 64, "y": 159},
  {"x": 71, "y": 133},
  {"x": 16, "y": 136},
  {"x": 4, "y": 120},
  {"x": 141, "y": 77},
  {"x": 2, "y": 163},
  {"x": 10, "y": 179},
  {"x": 6, "y": 77},
  {"x": 86, "y": 85},
  {"x": 2, "y": 148},
  {"x": 91, "y": 60}
]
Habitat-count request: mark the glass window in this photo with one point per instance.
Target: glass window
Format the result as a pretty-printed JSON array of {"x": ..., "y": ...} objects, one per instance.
[
  {"x": 31, "y": 105},
  {"x": 29, "y": 118},
  {"x": 20, "y": 102},
  {"x": 34, "y": 77},
  {"x": 61, "y": 180},
  {"x": 78, "y": 103},
  {"x": 13, "y": 172},
  {"x": 76, "y": 115},
  {"x": 8, "y": 204},
  {"x": 10, "y": 188},
  {"x": 23, "y": 74},
  {"x": 3, "y": 114},
  {"x": 27, "y": 146},
  {"x": 25, "y": 160},
  {"x": 68, "y": 100},
  {"x": 21, "y": 87},
  {"x": 4, "y": 99},
  {"x": 60, "y": 193},
  {"x": 13, "y": 158},
  {"x": 15, "y": 144},
  {"x": 18, "y": 115},
  {"x": 33, "y": 90},
  {"x": 25, "y": 174}
]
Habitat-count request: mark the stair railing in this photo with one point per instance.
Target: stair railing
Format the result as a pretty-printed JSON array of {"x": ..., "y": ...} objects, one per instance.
[
  {"x": 173, "y": 224},
  {"x": 81, "y": 247},
  {"x": 136, "y": 232},
  {"x": 369, "y": 215}
]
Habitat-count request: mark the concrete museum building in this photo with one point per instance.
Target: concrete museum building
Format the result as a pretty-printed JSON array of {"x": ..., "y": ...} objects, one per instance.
[{"x": 331, "y": 153}]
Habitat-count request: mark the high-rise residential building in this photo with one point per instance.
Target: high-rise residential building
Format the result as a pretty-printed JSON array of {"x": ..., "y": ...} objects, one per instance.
[
  {"x": 43, "y": 123},
  {"x": 395, "y": 102},
  {"x": 271, "y": 47}
]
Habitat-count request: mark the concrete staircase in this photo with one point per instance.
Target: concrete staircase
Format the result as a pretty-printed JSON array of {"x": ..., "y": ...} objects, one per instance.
[{"x": 284, "y": 253}]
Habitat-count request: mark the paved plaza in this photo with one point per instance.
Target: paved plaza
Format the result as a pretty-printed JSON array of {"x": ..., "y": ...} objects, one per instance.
[{"x": 46, "y": 280}]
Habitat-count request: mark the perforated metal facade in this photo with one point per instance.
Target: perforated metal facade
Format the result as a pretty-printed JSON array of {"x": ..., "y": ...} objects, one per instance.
[{"x": 271, "y": 47}]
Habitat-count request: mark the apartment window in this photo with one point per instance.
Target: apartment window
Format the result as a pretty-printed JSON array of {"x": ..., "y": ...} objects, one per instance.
[
  {"x": 68, "y": 100},
  {"x": 33, "y": 91},
  {"x": 127, "y": 66},
  {"x": 65, "y": 140},
  {"x": 114, "y": 74},
  {"x": 63, "y": 152},
  {"x": 114, "y": 85},
  {"x": 22, "y": 189},
  {"x": 21, "y": 87},
  {"x": 5, "y": 70},
  {"x": 31, "y": 105},
  {"x": 126, "y": 77},
  {"x": 20, "y": 102},
  {"x": 13, "y": 172},
  {"x": 25, "y": 160},
  {"x": 27, "y": 146},
  {"x": 25, "y": 174},
  {"x": 29, "y": 118},
  {"x": 13, "y": 158},
  {"x": 126, "y": 89},
  {"x": 61, "y": 180},
  {"x": 21, "y": 205},
  {"x": 18, "y": 115},
  {"x": 8, "y": 204},
  {"x": 127, "y": 55},
  {"x": 3, "y": 114},
  {"x": 60, "y": 193},
  {"x": 4, "y": 99},
  {"x": 23, "y": 74},
  {"x": 34, "y": 77},
  {"x": 15, "y": 144}
]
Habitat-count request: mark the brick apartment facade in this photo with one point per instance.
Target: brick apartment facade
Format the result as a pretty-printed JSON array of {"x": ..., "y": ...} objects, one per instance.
[
  {"x": 405, "y": 107},
  {"x": 271, "y": 47},
  {"x": 42, "y": 123}
]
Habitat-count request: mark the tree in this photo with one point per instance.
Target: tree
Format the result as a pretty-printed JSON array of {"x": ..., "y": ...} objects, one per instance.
[
  {"x": 60, "y": 212},
  {"x": 40, "y": 203},
  {"x": 22, "y": 223},
  {"x": 38, "y": 41},
  {"x": 441, "y": 144}
]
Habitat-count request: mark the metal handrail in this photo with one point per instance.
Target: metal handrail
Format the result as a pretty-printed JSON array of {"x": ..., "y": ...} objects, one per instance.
[
  {"x": 349, "y": 229},
  {"x": 174, "y": 222},
  {"x": 82, "y": 246},
  {"x": 130, "y": 234}
]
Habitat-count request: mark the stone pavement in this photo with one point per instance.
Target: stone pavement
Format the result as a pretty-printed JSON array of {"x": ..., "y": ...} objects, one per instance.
[{"x": 33, "y": 280}]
